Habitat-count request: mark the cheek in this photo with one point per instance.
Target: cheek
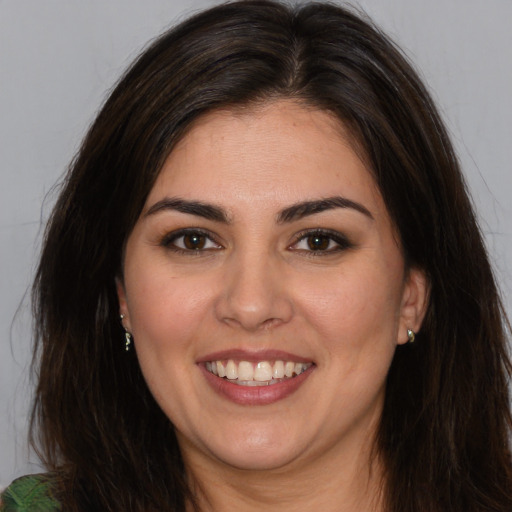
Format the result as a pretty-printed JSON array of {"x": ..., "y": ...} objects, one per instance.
[
  {"x": 165, "y": 311},
  {"x": 355, "y": 307}
]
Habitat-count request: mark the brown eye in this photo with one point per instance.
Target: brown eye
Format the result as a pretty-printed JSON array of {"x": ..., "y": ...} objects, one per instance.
[
  {"x": 318, "y": 242},
  {"x": 194, "y": 241},
  {"x": 190, "y": 241},
  {"x": 321, "y": 241}
]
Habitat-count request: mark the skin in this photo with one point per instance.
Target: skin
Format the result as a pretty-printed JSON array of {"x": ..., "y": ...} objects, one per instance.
[{"x": 256, "y": 284}]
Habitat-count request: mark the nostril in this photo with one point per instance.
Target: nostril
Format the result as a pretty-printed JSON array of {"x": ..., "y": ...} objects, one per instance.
[
  {"x": 252, "y": 296},
  {"x": 248, "y": 325},
  {"x": 253, "y": 319},
  {"x": 271, "y": 322}
]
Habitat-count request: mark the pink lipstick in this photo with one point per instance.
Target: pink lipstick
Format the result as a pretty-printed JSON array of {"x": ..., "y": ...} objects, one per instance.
[{"x": 255, "y": 377}]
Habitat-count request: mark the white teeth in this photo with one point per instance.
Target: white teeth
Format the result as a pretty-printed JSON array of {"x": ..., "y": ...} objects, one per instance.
[
  {"x": 231, "y": 370},
  {"x": 263, "y": 371},
  {"x": 246, "y": 373},
  {"x": 221, "y": 371},
  {"x": 278, "y": 372},
  {"x": 251, "y": 383}
]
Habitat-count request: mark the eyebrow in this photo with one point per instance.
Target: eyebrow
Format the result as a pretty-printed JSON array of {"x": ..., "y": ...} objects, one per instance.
[
  {"x": 198, "y": 208},
  {"x": 304, "y": 209},
  {"x": 291, "y": 213}
]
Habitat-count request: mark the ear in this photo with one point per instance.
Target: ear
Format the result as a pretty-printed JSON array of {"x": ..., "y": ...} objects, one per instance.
[
  {"x": 123, "y": 305},
  {"x": 415, "y": 297}
]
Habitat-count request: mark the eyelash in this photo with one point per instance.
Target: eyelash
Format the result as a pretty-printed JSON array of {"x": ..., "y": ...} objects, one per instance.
[
  {"x": 342, "y": 243},
  {"x": 169, "y": 241}
]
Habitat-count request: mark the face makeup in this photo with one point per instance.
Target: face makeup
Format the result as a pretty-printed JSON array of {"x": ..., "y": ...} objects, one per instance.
[{"x": 265, "y": 290}]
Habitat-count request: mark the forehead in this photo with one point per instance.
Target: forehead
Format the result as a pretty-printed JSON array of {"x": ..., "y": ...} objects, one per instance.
[{"x": 273, "y": 153}]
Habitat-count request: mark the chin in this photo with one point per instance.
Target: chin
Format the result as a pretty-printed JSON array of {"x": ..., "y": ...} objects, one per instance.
[
  {"x": 264, "y": 460},
  {"x": 257, "y": 451}
]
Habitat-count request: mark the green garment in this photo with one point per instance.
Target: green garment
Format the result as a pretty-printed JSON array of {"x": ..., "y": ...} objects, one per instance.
[{"x": 31, "y": 493}]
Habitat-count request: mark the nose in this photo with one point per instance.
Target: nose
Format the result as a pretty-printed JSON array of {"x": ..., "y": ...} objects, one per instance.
[{"x": 254, "y": 294}]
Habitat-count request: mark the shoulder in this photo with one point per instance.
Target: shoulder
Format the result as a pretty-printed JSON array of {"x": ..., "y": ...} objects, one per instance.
[{"x": 31, "y": 493}]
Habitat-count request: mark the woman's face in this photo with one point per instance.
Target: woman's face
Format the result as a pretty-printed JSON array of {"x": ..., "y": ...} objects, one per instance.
[{"x": 265, "y": 251}]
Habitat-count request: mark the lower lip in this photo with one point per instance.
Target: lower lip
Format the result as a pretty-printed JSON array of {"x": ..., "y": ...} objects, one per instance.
[{"x": 255, "y": 395}]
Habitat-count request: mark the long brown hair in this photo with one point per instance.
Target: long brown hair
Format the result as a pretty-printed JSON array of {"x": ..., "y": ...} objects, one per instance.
[{"x": 444, "y": 434}]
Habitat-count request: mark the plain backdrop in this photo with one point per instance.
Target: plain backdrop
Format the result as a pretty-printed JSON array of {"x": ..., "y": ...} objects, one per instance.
[{"x": 58, "y": 59}]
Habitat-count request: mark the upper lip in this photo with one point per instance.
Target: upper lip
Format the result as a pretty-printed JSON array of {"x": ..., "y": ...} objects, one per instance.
[{"x": 253, "y": 356}]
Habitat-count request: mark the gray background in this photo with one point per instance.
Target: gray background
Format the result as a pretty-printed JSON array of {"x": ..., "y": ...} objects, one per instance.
[{"x": 59, "y": 57}]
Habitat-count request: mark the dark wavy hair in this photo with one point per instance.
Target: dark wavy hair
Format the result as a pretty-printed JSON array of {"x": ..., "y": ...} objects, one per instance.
[{"x": 444, "y": 433}]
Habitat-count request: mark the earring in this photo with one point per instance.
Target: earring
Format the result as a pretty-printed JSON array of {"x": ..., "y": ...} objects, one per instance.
[
  {"x": 411, "y": 335},
  {"x": 127, "y": 335},
  {"x": 128, "y": 338}
]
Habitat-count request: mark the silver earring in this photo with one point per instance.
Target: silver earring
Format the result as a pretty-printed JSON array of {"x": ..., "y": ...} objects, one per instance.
[
  {"x": 411, "y": 335},
  {"x": 128, "y": 340},
  {"x": 127, "y": 335}
]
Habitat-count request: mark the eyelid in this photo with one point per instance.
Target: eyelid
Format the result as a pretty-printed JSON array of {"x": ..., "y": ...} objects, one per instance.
[
  {"x": 168, "y": 240},
  {"x": 340, "y": 239}
]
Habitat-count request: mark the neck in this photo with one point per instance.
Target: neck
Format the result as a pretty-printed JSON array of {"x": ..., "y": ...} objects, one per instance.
[{"x": 352, "y": 483}]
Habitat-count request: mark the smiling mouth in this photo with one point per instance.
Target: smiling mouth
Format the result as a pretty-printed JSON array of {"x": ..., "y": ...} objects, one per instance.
[{"x": 262, "y": 373}]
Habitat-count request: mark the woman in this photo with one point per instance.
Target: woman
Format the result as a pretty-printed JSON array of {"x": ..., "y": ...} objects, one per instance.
[{"x": 263, "y": 285}]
